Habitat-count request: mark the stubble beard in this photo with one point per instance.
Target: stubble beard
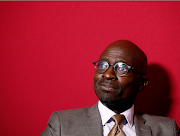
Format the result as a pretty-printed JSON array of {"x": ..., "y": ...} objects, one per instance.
[
  {"x": 120, "y": 105},
  {"x": 114, "y": 105}
]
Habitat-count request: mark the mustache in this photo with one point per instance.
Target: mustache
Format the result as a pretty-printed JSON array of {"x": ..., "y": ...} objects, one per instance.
[{"x": 107, "y": 83}]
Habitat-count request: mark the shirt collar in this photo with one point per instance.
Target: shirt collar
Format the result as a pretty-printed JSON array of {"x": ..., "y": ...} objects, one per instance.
[{"x": 106, "y": 114}]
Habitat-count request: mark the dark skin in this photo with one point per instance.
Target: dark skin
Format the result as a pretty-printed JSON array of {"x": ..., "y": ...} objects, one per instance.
[{"x": 118, "y": 93}]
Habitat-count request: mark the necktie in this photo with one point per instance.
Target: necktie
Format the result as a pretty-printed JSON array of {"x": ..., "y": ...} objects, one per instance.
[{"x": 116, "y": 131}]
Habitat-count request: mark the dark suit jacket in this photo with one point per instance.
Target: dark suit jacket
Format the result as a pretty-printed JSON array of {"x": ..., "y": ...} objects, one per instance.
[{"x": 87, "y": 122}]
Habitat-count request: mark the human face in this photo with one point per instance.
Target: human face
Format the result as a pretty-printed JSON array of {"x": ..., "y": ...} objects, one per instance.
[{"x": 117, "y": 92}]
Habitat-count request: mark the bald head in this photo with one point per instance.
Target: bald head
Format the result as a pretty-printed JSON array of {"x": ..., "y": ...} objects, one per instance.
[{"x": 130, "y": 52}]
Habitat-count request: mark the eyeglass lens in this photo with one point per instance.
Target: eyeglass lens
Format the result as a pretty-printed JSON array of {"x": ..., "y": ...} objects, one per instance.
[{"x": 120, "y": 68}]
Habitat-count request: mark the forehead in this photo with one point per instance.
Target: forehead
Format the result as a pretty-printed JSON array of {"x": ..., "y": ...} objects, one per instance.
[{"x": 114, "y": 54}]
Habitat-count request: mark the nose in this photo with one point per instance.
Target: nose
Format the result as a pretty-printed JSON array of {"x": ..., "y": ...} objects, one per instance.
[{"x": 110, "y": 74}]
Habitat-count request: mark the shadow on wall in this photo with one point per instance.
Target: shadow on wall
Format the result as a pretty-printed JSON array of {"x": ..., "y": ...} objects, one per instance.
[{"x": 154, "y": 99}]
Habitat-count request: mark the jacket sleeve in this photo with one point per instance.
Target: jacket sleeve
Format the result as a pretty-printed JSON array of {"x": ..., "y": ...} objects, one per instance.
[{"x": 53, "y": 128}]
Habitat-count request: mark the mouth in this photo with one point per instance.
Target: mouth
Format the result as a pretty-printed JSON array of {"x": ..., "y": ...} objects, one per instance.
[{"x": 107, "y": 87}]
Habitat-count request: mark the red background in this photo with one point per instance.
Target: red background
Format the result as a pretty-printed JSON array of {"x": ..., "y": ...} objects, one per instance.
[{"x": 47, "y": 50}]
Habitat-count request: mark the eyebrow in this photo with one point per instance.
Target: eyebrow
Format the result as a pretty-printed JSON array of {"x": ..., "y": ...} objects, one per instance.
[
  {"x": 116, "y": 60},
  {"x": 121, "y": 61}
]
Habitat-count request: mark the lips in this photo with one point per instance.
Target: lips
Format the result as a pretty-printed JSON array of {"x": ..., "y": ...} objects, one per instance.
[{"x": 107, "y": 87}]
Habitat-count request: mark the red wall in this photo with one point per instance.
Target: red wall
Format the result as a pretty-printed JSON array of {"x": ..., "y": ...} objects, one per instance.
[{"x": 47, "y": 50}]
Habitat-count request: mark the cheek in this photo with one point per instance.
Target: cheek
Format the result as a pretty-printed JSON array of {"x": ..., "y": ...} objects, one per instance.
[
  {"x": 98, "y": 93},
  {"x": 129, "y": 86},
  {"x": 125, "y": 81},
  {"x": 96, "y": 77}
]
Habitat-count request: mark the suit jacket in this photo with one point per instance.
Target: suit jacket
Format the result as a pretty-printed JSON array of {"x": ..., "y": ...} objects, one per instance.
[{"x": 87, "y": 122}]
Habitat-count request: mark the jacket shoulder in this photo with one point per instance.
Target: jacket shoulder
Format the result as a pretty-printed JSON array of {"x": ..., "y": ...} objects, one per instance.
[
  {"x": 157, "y": 120},
  {"x": 72, "y": 116},
  {"x": 64, "y": 122},
  {"x": 73, "y": 112},
  {"x": 161, "y": 125}
]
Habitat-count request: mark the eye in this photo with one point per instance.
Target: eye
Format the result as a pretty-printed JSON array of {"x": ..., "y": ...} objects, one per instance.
[
  {"x": 121, "y": 68},
  {"x": 102, "y": 65}
]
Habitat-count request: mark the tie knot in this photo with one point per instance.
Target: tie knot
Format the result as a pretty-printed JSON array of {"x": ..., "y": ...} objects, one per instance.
[{"x": 118, "y": 118}]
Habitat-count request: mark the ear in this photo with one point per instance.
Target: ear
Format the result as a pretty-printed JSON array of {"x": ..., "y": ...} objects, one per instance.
[{"x": 143, "y": 83}]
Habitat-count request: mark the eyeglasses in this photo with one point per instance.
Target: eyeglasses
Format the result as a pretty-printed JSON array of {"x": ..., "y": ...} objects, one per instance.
[{"x": 120, "y": 68}]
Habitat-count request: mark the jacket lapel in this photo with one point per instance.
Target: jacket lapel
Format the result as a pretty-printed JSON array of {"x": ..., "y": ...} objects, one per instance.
[
  {"x": 93, "y": 122},
  {"x": 141, "y": 128}
]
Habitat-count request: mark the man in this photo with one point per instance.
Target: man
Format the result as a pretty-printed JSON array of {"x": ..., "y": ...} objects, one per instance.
[{"x": 120, "y": 75}]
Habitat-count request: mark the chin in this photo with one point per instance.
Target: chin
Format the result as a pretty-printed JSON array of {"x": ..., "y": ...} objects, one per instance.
[{"x": 118, "y": 105}]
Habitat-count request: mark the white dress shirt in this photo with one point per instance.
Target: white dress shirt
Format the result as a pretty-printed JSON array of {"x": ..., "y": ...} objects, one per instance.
[{"x": 127, "y": 125}]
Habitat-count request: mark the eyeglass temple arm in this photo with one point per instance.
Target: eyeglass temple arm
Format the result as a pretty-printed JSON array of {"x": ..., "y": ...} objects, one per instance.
[{"x": 136, "y": 70}]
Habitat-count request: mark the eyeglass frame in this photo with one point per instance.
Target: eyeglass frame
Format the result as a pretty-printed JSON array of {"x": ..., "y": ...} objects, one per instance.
[{"x": 129, "y": 67}]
